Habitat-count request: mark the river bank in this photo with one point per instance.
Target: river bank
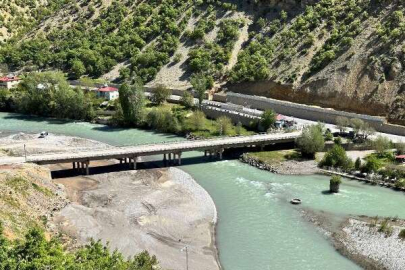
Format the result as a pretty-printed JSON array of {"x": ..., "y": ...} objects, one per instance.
[
  {"x": 364, "y": 240},
  {"x": 159, "y": 210},
  {"x": 286, "y": 167}
]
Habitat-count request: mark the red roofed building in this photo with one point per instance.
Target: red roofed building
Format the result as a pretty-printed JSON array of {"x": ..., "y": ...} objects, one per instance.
[
  {"x": 107, "y": 92},
  {"x": 9, "y": 81},
  {"x": 400, "y": 158}
]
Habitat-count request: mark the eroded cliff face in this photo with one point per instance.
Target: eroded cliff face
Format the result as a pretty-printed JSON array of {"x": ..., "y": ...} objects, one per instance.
[{"x": 366, "y": 76}]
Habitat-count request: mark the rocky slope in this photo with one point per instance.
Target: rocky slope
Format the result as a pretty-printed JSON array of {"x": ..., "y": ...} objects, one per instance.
[
  {"x": 27, "y": 198},
  {"x": 344, "y": 54}
]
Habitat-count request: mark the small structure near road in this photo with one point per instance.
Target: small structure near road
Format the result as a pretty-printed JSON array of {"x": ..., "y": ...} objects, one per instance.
[
  {"x": 9, "y": 81},
  {"x": 107, "y": 92},
  {"x": 400, "y": 158}
]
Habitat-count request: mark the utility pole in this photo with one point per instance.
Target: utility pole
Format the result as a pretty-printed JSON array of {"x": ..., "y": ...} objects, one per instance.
[{"x": 186, "y": 250}]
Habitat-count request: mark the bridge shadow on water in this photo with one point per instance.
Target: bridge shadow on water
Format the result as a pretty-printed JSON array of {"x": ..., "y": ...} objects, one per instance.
[{"x": 143, "y": 165}]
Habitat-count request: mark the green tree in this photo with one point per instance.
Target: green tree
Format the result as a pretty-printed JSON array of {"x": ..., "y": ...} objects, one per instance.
[
  {"x": 224, "y": 125},
  {"x": 337, "y": 157},
  {"x": 357, "y": 125},
  {"x": 78, "y": 69},
  {"x": 199, "y": 82},
  {"x": 197, "y": 120},
  {"x": 132, "y": 101},
  {"x": 357, "y": 164},
  {"x": 187, "y": 100},
  {"x": 381, "y": 144},
  {"x": 268, "y": 119},
  {"x": 342, "y": 123},
  {"x": 35, "y": 252},
  {"x": 49, "y": 94},
  {"x": 311, "y": 141},
  {"x": 160, "y": 94},
  {"x": 373, "y": 164}
]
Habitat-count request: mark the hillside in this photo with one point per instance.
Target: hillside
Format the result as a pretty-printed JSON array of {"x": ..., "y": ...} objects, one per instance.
[{"x": 343, "y": 54}]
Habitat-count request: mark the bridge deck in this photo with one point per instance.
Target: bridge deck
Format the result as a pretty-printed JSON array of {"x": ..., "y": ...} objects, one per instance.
[{"x": 164, "y": 148}]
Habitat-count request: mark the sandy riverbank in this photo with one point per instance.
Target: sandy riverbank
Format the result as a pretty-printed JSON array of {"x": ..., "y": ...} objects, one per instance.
[{"x": 159, "y": 210}]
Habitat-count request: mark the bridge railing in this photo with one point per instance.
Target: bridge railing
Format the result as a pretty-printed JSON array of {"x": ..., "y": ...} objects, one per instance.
[{"x": 187, "y": 144}]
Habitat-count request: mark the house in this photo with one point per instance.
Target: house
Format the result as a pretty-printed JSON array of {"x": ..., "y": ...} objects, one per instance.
[
  {"x": 107, "y": 92},
  {"x": 9, "y": 81},
  {"x": 400, "y": 158},
  {"x": 284, "y": 121}
]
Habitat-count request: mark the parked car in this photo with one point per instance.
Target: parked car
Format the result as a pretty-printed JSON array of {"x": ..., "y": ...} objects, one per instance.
[{"x": 43, "y": 134}]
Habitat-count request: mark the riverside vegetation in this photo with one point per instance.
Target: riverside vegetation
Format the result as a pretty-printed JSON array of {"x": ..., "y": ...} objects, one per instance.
[
  {"x": 138, "y": 38},
  {"x": 49, "y": 94},
  {"x": 35, "y": 252}
]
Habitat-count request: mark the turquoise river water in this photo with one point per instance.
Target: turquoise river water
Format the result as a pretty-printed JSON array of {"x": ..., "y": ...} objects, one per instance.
[{"x": 258, "y": 229}]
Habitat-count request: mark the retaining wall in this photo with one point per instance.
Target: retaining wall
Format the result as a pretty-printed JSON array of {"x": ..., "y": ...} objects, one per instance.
[
  {"x": 214, "y": 113},
  {"x": 311, "y": 112}
]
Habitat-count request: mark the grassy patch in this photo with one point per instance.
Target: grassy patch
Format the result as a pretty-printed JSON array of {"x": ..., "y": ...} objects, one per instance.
[
  {"x": 18, "y": 184},
  {"x": 275, "y": 156},
  {"x": 43, "y": 190}
]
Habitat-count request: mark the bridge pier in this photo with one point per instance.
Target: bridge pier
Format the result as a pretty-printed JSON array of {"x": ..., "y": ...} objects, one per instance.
[
  {"x": 179, "y": 158},
  {"x": 220, "y": 153},
  {"x": 164, "y": 159},
  {"x": 86, "y": 164},
  {"x": 134, "y": 161}
]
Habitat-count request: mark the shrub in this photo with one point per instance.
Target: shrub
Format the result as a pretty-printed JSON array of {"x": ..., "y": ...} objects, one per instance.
[
  {"x": 160, "y": 94},
  {"x": 385, "y": 227},
  {"x": 381, "y": 144},
  {"x": 328, "y": 135},
  {"x": 372, "y": 165},
  {"x": 268, "y": 119},
  {"x": 197, "y": 120},
  {"x": 342, "y": 123},
  {"x": 357, "y": 164},
  {"x": 224, "y": 125},
  {"x": 311, "y": 141},
  {"x": 336, "y": 157},
  {"x": 401, "y": 234},
  {"x": 400, "y": 148},
  {"x": 187, "y": 100},
  {"x": 338, "y": 141}
]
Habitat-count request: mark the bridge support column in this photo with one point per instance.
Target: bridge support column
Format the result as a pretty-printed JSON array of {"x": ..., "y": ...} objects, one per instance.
[
  {"x": 74, "y": 166},
  {"x": 262, "y": 147},
  {"x": 164, "y": 159},
  {"x": 179, "y": 158},
  {"x": 87, "y": 167},
  {"x": 220, "y": 153},
  {"x": 205, "y": 153},
  {"x": 170, "y": 158},
  {"x": 134, "y": 161}
]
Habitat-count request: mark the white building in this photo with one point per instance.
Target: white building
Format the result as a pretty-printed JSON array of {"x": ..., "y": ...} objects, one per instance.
[
  {"x": 9, "y": 81},
  {"x": 107, "y": 92}
]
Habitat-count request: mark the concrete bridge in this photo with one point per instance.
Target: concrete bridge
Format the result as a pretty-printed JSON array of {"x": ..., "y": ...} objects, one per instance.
[{"x": 171, "y": 151}]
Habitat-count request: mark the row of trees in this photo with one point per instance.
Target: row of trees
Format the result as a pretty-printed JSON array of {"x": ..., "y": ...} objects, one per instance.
[
  {"x": 132, "y": 111},
  {"x": 49, "y": 94}
]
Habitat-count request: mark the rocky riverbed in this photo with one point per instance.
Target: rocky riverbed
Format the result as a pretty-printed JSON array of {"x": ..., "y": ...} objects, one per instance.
[{"x": 364, "y": 240}]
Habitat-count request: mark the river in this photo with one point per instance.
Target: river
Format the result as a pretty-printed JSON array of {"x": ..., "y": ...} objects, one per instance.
[{"x": 258, "y": 229}]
